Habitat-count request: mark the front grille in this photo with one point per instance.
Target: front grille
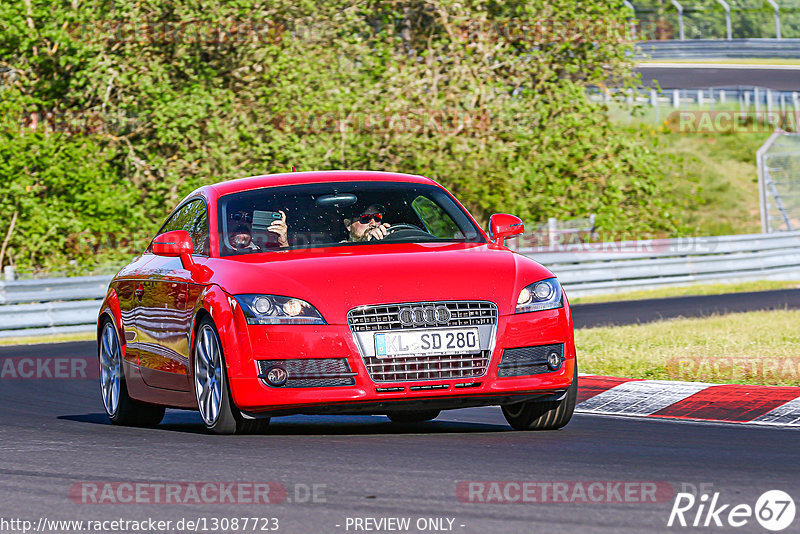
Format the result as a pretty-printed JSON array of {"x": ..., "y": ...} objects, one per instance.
[
  {"x": 365, "y": 320},
  {"x": 462, "y": 313},
  {"x": 409, "y": 369},
  {"x": 311, "y": 372},
  {"x": 526, "y": 361}
]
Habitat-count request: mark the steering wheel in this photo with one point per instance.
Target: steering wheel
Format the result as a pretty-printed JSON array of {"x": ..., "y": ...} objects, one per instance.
[
  {"x": 403, "y": 226},
  {"x": 405, "y": 231}
]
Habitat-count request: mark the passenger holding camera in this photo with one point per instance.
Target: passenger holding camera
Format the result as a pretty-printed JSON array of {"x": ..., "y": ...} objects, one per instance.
[
  {"x": 361, "y": 226},
  {"x": 241, "y": 238}
]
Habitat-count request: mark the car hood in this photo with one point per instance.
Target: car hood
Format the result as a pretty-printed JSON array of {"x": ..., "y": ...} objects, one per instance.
[{"x": 338, "y": 279}]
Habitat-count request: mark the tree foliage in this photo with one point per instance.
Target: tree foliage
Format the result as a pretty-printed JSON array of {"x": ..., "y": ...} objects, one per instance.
[
  {"x": 113, "y": 110},
  {"x": 705, "y": 19}
]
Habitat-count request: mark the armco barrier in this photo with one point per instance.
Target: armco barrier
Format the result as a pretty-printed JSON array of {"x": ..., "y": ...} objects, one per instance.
[
  {"x": 718, "y": 48},
  {"x": 608, "y": 267},
  {"x": 50, "y": 305},
  {"x": 49, "y": 314},
  {"x": 51, "y": 289}
]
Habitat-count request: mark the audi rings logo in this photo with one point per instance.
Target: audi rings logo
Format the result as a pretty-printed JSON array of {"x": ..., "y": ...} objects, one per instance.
[{"x": 424, "y": 315}]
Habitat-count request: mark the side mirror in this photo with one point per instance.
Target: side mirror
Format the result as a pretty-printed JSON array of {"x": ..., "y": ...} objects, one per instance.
[
  {"x": 503, "y": 226},
  {"x": 177, "y": 243}
]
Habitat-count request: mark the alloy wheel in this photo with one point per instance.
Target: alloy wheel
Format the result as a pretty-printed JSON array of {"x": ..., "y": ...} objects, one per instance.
[
  {"x": 208, "y": 374},
  {"x": 110, "y": 372}
]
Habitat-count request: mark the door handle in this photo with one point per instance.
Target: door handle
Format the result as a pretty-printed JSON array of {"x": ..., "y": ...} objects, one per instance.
[{"x": 139, "y": 292}]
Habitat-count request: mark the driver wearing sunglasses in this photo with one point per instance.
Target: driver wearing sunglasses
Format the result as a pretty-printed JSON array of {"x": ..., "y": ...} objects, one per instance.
[{"x": 367, "y": 225}]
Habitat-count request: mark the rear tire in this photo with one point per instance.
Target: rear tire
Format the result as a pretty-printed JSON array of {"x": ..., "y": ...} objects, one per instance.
[
  {"x": 211, "y": 387},
  {"x": 543, "y": 415},
  {"x": 120, "y": 407},
  {"x": 413, "y": 417}
]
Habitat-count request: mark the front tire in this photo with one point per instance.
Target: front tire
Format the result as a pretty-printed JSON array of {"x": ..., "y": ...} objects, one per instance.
[
  {"x": 413, "y": 417},
  {"x": 211, "y": 387},
  {"x": 120, "y": 407},
  {"x": 543, "y": 415}
]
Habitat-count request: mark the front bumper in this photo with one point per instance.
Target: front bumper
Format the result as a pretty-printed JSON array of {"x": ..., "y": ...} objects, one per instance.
[{"x": 275, "y": 342}]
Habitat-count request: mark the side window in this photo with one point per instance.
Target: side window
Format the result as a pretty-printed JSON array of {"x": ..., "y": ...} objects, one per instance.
[
  {"x": 435, "y": 219},
  {"x": 193, "y": 217},
  {"x": 196, "y": 218}
]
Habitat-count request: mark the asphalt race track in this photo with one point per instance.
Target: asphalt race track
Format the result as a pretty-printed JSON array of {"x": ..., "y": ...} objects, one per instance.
[
  {"x": 688, "y": 77},
  {"x": 54, "y": 438},
  {"x": 54, "y": 435},
  {"x": 644, "y": 311}
]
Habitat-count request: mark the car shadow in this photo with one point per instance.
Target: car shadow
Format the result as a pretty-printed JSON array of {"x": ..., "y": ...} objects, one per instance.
[
  {"x": 95, "y": 418},
  {"x": 307, "y": 425}
]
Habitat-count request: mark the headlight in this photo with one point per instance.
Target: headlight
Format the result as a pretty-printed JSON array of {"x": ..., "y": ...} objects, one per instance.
[
  {"x": 543, "y": 295},
  {"x": 272, "y": 309}
]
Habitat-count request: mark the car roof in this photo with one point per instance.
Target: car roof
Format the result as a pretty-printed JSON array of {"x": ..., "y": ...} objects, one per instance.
[{"x": 308, "y": 177}]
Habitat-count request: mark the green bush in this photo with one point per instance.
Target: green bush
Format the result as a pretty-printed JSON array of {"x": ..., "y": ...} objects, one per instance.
[
  {"x": 705, "y": 19},
  {"x": 64, "y": 197}
]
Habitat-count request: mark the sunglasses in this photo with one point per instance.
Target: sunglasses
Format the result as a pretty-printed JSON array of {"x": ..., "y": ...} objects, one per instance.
[
  {"x": 364, "y": 219},
  {"x": 241, "y": 216}
]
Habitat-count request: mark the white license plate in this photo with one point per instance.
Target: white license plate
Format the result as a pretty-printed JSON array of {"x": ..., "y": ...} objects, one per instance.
[{"x": 427, "y": 342}]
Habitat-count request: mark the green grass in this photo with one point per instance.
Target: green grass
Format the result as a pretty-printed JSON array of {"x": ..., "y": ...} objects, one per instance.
[
  {"x": 743, "y": 348},
  {"x": 51, "y": 338},
  {"x": 716, "y": 178},
  {"x": 713, "y": 176},
  {"x": 683, "y": 291},
  {"x": 664, "y": 116}
]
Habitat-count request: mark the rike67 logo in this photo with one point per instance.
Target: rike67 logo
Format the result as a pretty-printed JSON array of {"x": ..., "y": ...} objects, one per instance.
[{"x": 774, "y": 510}]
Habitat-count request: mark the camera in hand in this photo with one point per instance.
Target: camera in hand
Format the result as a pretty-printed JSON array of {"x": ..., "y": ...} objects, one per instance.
[{"x": 261, "y": 221}]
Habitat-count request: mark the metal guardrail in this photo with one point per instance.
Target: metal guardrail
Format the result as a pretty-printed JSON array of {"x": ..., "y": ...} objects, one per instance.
[
  {"x": 45, "y": 306},
  {"x": 748, "y": 100},
  {"x": 50, "y": 305},
  {"x": 49, "y": 314},
  {"x": 718, "y": 48},
  {"x": 609, "y": 267},
  {"x": 51, "y": 289}
]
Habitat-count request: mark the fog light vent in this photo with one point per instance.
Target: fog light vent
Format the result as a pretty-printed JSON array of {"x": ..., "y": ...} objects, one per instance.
[
  {"x": 432, "y": 386},
  {"x": 306, "y": 372},
  {"x": 389, "y": 390},
  {"x": 529, "y": 361}
]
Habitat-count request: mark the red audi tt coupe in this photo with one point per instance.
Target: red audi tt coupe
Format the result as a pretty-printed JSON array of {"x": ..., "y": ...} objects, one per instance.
[{"x": 338, "y": 292}]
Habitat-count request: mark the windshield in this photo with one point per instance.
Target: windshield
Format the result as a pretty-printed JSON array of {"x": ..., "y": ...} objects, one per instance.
[{"x": 340, "y": 214}]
